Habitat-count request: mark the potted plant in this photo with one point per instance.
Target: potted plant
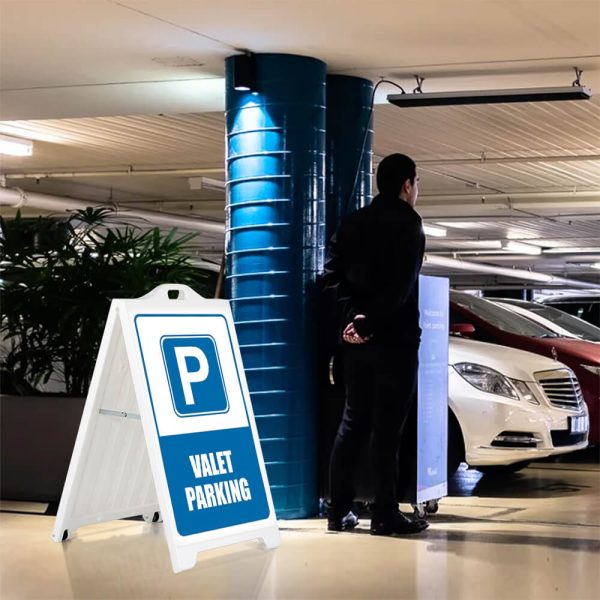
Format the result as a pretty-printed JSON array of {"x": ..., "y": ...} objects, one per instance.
[{"x": 57, "y": 280}]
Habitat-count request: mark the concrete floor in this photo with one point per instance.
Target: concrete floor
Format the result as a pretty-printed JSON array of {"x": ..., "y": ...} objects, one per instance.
[{"x": 535, "y": 535}]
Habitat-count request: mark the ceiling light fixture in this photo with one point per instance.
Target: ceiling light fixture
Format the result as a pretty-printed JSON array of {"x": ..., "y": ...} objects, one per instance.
[
  {"x": 434, "y": 230},
  {"x": 574, "y": 250},
  {"x": 461, "y": 224},
  {"x": 521, "y": 248},
  {"x": 244, "y": 72},
  {"x": 15, "y": 146},
  {"x": 472, "y": 252},
  {"x": 206, "y": 183},
  {"x": 595, "y": 265},
  {"x": 551, "y": 94},
  {"x": 471, "y": 245}
]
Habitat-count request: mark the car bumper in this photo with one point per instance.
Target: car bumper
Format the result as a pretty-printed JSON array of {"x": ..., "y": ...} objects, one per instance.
[{"x": 484, "y": 417}]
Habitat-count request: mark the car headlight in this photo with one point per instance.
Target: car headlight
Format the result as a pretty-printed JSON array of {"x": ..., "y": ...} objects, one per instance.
[
  {"x": 524, "y": 390},
  {"x": 487, "y": 380},
  {"x": 592, "y": 369},
  {"x": 491, "y": 381}
]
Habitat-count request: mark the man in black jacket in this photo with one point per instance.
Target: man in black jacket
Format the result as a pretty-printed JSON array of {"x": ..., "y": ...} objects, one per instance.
[{"x": 373, "y": 264}]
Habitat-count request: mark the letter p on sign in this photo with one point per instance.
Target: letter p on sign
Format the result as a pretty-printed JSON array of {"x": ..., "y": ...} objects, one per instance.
[
  {"x": 194, "y": 374},
  {"x": 189, "y": 377}
]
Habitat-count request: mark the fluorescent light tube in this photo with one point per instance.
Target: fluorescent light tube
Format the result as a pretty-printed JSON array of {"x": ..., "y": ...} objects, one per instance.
[
  {"x": 483, "y": 244},
  {"x": 206, "y": 183},
  {"x": 573, "y": 250},
  {"x": 467, "y": 245},
  {"x": 15, "y": 146},
  {"x": 434, "y": 230},
  {"x": 521, "y": 248},
  {"x": 460, "y": 224}
]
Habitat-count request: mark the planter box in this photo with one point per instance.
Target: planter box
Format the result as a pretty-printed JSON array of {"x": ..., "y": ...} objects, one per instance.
[{"x": 37, "y": 436}]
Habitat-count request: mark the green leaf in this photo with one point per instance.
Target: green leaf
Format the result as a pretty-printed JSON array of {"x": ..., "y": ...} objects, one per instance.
[{"x": 59, "y": 276}]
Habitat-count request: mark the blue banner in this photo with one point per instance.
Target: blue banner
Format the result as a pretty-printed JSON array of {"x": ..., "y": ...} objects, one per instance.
[{"x": 432, "y": 419}]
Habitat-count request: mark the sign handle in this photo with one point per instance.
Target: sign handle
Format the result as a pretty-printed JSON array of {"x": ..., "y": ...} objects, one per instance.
[{"x": 172, "y": 292}]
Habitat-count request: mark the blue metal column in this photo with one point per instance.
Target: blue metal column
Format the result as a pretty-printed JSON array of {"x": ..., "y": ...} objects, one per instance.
[
  {"x": 274, "y": 246},
  {"x": 349, "y": 160}
]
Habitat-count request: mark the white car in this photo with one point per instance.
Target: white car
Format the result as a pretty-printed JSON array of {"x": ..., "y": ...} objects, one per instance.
[{"x": 508, "y": 407}]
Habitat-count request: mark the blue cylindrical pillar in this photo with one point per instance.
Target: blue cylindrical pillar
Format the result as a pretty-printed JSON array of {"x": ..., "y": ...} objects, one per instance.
[
  {"x": 349, "y": 160},
  {"x": 274, "y": 246}
]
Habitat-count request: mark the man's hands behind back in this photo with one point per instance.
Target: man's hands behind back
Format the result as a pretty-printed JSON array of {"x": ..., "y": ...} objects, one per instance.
[{"x": 350, "y": 335}]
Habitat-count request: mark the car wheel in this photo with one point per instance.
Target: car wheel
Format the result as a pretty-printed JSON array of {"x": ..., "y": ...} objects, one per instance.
[
  {"x": 500, "y": 470},
  {"x": 456, "y": 445}
]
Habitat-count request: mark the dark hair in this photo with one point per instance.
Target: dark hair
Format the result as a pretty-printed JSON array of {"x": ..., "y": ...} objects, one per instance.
[{"x": 393, "y": 171}]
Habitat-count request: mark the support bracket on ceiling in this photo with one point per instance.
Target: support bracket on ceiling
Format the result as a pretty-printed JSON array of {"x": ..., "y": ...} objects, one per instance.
[
  {"x": 420, "y": 80},
  {"x": 577, "y": 82}
]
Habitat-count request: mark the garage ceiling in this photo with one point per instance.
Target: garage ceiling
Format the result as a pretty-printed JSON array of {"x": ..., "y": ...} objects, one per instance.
[{"x": 72, "y": 74}]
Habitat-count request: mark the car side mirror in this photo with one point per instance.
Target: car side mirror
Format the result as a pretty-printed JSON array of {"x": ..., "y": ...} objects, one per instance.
[{"x": 465, "y": 329}]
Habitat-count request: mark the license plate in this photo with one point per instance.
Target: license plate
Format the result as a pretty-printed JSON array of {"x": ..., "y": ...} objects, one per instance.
[{"x": 579, "y": 424}]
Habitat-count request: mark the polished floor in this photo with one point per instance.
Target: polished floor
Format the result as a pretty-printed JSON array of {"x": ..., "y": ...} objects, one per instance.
[{"x": 532, "y": 536}]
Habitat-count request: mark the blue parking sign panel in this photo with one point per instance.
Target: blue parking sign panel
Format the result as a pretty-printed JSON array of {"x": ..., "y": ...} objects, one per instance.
[{"x": 209, "y": 451}]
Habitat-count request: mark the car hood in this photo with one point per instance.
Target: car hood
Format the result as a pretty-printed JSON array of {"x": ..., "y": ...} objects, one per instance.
[
  {"x": 517, "y": 364},
  {"x": 588, "y": 353}
]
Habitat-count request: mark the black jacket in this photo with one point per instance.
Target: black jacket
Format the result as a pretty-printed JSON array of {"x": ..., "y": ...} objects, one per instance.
[{"x": 373, "y": 265}]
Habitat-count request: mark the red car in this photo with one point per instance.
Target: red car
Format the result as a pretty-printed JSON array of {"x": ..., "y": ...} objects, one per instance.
[{"x": 498, "y": 325}]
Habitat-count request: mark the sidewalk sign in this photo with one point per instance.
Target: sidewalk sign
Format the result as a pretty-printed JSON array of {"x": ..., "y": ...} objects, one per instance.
[{"x": 168, "y": 430}]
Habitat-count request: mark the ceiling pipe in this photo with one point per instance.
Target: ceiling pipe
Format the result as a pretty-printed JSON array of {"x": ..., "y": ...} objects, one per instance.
[
  {"x": 482, "y": 197},
  {"x": 115, "y": 173},
  {"x": 219, "y": 170},
  {"x": 462, "y": 265},
  {"x": 17, "y": 198},
  {"x": 485, "y": 160},
  {"x": 520, "y": 217}
]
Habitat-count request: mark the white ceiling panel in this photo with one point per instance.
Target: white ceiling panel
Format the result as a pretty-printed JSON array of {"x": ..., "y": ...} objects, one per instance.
[
  {"x": 143, "y": 141},
  {"x": 135, "y": 88}
]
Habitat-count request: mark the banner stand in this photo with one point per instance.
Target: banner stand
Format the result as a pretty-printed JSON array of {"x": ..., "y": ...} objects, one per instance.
[
  {"x": 432, "y": 408},
  {"x": 168, "y": 430}
]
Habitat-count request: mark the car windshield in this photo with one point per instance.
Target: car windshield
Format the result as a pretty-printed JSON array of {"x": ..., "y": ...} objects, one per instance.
[
  {"x": 575, "y": 325},
  {"x": 586, "y": 308},
  {"x": 502, "y": 318}
]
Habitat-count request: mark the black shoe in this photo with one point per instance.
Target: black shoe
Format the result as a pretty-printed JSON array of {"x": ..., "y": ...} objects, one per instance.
[
  {"x": 350, "y": 521},
  {"x": 397, "y": 523}
]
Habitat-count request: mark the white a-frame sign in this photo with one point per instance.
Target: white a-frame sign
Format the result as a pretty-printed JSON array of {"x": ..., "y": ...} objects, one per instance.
[{"x": 168, "y": 430}]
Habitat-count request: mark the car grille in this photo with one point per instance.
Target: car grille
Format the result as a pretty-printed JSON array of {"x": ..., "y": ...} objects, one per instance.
[{"x": 561, "y": 388}]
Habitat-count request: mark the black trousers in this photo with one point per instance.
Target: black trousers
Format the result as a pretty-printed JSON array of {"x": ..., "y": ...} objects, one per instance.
[{"x": 381, "y": 385}]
